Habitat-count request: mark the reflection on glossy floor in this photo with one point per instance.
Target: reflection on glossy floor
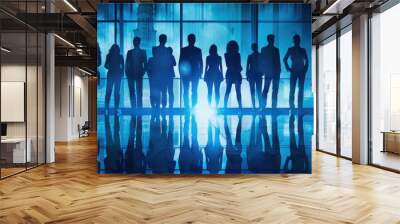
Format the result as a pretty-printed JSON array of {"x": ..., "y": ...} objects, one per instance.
[
  {"x": 203, "y": 143},
  {"x": 5, "y": 172},
  {"x": 386, "y": 159},
  {"x": 71, "y": 191}
]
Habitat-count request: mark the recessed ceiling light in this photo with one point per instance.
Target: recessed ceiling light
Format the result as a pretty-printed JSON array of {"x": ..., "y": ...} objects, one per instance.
[
  {"x": 333, "y": 6},
  {"x": 70, "y": 5},
  {"x": 5, "y": 50},
  {"x": 64, "y": 40},
  {"x": 84, "y": 71}
]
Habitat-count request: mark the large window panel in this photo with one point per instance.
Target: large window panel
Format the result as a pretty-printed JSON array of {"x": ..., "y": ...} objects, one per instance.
[
  {"x": 385, "y": 88},
  {"x": 327, "y": 96},
  {"x": 217, "y": 35},
  {"x": 284, "y": 33},
  {"x": 22, "y": 88},
  {"x": 346, "y": 94},
  {"x": 282, "y": 13},
  {"x": 14, "y": 153},
  {"x": 206, "y": 12}
]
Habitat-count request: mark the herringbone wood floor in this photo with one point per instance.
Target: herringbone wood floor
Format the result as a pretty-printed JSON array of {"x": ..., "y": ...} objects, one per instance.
[{"x": 70, "y": 191}]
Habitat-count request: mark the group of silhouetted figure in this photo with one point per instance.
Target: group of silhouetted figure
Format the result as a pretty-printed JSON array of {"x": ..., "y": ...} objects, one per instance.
[
  {"x": 264, "y": 152},
  {"x": 160, "y": 70}
]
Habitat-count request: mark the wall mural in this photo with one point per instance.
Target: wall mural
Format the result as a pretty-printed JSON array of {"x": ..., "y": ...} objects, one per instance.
[{"x": 204, "y": 88}]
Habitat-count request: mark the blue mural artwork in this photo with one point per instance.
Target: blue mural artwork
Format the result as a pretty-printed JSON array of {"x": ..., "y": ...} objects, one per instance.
[{"x": 204, "y": 88}]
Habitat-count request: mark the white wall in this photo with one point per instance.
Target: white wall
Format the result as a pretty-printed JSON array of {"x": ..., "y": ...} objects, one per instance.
[
  {"x": 17, "y": 73},
  {"x": 33, "y": 127},
  {"x": 71, "y": 102}
]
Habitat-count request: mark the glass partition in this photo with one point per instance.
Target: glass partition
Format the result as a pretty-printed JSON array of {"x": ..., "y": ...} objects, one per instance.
[
  {"x": 22, "y": 77},
  {"x": 346, "y": 93},
  {"x": 14, "y": 151},
  {"x": 327, "y": 95},
  {"x": 385, "y": 89}
]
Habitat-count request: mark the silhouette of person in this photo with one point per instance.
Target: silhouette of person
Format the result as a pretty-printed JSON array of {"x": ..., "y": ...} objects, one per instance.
[
  {"x": 170, "y": 144},
  {"x": 168, "y": 85},
  {"x": 155, "y": 155},
  {"x": 115, "y": 66},
  {"x": 272, "y": 70},
  {"x": 234, "y": 68},
  {"x": 298, "y": 156},
  {"x": 190, "y": 157},
  {"x": 213, "y": 150},
  {"x": 272, "y": 151},
  {"x": 213, "y": 73},
  {"x": 151, "y": 70},
  {"x": 298, "y": 69},
  {"x": 135, "y": 160},
  {"x": 167, "y": 149},
  {"x": 114, "y": 160},
  {"x": 135, "y": 67},
  {"x": 233, "y": 152},
  {"x": 190, "y": 69},
  {"x": 197, "y": 166},
  {"x": 164, "y": 62},
  {"x": 160, "y": 60},
  {"x": 254, "y": 75},
  {"x": 160, "y": 156},
  {"x": 185, "y": 154},
  {"x": 255, "y": 153}
]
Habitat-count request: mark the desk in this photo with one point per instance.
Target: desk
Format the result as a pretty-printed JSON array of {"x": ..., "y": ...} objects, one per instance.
[
  {"x": 391, "y": 141},
  {"x": 13, "y": 150}
]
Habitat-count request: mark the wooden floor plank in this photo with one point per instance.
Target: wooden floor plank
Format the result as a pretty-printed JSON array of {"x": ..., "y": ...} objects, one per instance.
[{"x": 71, "y": 191}]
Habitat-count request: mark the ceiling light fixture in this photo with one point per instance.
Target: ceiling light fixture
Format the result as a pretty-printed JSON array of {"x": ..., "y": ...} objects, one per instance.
[
  {"x": 337, "y": 7},
  {"x": 64, "y": 40},
  {"x": 84, "y": 71},
  {"x": 70, "y": 5},
  {"x": 5, "y": 50},
  {"x": 333, "y": 6}
]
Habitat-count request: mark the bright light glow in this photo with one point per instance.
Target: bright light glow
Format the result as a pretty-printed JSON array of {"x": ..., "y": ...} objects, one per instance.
[
  {"x": 204, "y": 112},
  {"x": 65, "y": 41},
  {"x": 70, "y": 5},
  {"x": 5, "y": 50},
  {"x": 84, "y": 71}
]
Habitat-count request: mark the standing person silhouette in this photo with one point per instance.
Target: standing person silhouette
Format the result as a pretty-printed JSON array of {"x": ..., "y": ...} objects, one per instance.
[
  {"x": 298, "y": 157},
  {"x": 254, "y": 75},
  {"x": 151, "y": 69},
  {"x": 113, "y": 163},
  {"x": 135, "y": 159},
  {"x": 168, "y": 85},
  {"x": 255, "y": 152},
  {"x": 233, "y": 76},
  {"x": 233, "y": 152},
  {"x": 162, "y": 60},
  {"x": 272, "y": 70},
  {"x": 213, "y": 150},
  {"x": 115, "y": 66},
  {"x": 135, "y": 67},
  {"x": 298, "y": 69},
  {"x": 190, "y": 69},
  {"x": 213, "y": 73}
]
